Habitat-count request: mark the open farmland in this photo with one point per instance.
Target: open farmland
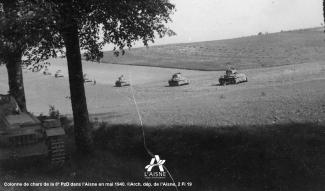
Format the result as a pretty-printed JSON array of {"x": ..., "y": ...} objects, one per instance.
[
  {"x": 292, "y": 93},
  {"x": 267, "y": 50},
  {"x": 273, "y": 125},
  {"x": 266, "y": 134},
  {"x": 286, "y": 92}
]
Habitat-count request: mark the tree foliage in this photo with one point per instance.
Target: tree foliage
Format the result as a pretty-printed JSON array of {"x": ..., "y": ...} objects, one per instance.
[
  {"x": 22, "y": 30},
  {"x": 35, "y": 26},
  {"x": 103, "y": 22},
  {"x": 39, "y": 29}
]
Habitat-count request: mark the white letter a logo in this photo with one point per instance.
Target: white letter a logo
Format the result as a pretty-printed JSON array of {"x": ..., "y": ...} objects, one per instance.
[{"x": 159, "y": 164}]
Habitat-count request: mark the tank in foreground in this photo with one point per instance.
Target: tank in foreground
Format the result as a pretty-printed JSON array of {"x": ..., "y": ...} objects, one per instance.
[
  {"x": 23, "y": 135},
  {"x": 178, "y": 80}
]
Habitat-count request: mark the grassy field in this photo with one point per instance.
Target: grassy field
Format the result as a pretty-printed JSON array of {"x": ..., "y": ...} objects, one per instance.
[
  {"x": 267, "y": 134},
  {"x": 267, "y": 50}
]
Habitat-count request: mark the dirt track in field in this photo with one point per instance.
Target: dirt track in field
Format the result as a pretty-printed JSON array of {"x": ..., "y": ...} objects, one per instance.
[{"x": 292, "y": 93}]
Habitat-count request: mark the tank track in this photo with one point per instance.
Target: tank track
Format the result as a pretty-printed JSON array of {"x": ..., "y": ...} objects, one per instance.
[{"x": 57, "y": 153}]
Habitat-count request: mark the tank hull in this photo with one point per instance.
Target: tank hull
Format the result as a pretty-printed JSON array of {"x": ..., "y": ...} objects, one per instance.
[
  {"x": 232, "y": 80},
  {"x": 33, "y": 150},
  {"x": 178, "y": 82},
  {"x": 121, "y": 84}
]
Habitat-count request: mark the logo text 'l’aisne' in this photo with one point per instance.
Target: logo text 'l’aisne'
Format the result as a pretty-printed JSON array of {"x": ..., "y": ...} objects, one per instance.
[{"x": 159, "y": 163}]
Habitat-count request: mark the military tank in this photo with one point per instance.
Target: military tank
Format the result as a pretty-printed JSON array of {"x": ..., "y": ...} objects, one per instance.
[
  {"x": 58, "y": 74},
  {"x": 86, "y": 78},
  {"x": 121, "y": 81},
  {"x": 178, "y": 80},
  {"x": 23, "y": 135},
  {"x": 232, "y": 77}
]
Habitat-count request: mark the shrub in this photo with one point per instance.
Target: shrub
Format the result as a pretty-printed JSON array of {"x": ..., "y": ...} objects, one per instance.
[{"x": 53, "y": 113}]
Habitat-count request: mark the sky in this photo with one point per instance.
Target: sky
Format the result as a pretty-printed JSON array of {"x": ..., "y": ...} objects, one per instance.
[{"x": 205, "y": 20}]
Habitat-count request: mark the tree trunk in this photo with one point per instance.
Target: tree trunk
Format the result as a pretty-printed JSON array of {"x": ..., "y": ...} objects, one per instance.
[
  {"x": 13, "y": 64},
  {"x": 324, "y": 13},
  {"x": 15, "y": 79},
  {"x": 77, "y": 90}
]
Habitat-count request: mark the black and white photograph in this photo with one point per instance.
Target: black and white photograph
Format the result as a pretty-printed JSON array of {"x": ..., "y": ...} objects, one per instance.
[{"x": 162, "y": 95}]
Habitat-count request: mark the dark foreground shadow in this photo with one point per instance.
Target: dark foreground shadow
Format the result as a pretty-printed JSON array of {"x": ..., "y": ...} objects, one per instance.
[
  {"x": 279, "y": 157},
  {"x": 255, "y": 158}
]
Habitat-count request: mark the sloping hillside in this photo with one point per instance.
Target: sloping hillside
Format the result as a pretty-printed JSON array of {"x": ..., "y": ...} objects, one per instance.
[{"x": 267, "y": 50}]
